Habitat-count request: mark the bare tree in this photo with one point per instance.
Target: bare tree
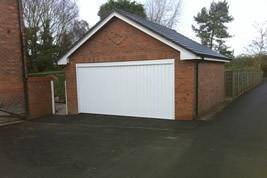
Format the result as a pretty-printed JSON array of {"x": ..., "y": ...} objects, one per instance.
[
  {"x": 164, "y": 12},
  {"x": 79, "y": 28},
  {"x": 51, "y": 27},
  {"x": 258, "y": 46},
  {"x": 60, "y": 13}
]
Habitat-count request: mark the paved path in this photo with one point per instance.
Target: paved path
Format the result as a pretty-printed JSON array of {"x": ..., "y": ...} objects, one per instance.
[{"x": 233, "y": 144}]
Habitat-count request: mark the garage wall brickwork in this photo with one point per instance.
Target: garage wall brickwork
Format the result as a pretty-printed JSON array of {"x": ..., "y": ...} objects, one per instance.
[
  {"x": 11, "y": 81},
  {"x": 118, "y": 41},
  {"x": 211, "y": 85}
]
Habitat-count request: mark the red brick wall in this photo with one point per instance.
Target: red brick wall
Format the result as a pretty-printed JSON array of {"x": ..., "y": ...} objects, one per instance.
[
  {"x": 11, "y": 81},
  {"x": 118, "y": 41},
  {"x": 184, "y": 90},
  {"x": 211, "y": 85},
  {"x": 40, "y": 96}
]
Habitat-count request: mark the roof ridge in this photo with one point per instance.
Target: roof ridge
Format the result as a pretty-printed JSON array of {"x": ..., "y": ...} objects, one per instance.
[
  {"x": 122, "y": 11},
  {"x": 116, "y": 9}
]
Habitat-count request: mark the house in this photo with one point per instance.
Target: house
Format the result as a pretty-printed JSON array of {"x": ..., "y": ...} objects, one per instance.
[
  {"x": 19, "y": 95},
  {"x": 126, "y": 65},
  {"x": 12, "y": 63}
]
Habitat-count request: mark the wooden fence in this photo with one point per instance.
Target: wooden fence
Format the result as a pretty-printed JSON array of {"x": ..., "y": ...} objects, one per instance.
[{"x": 239, "y": 81}]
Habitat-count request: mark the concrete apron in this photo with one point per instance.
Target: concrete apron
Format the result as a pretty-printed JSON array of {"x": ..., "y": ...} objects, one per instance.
[{"x": 6, "y": 119}]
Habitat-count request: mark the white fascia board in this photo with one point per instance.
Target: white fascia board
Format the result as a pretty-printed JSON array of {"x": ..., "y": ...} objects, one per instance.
[
  {"x": 126, "y": 63},
  {"x": 217, "y": 60},
  {"x": 63, "y": 60},
  {"x": 184, "y": 54},
  {"x": 212, "y": 59}
]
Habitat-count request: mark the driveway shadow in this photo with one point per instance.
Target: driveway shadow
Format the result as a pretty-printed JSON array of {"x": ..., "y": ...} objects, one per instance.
[{"x": 121, "y": 121}]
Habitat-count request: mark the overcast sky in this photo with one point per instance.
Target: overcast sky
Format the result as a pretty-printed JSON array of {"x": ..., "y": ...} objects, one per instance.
[{"x": 245, "y": 12}]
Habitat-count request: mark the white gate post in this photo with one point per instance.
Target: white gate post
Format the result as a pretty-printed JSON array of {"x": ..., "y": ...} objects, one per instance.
[{"x": 53, "y": 97}]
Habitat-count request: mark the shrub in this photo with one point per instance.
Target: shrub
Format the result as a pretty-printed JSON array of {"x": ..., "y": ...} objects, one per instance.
[{"x": 247, "y": 62}]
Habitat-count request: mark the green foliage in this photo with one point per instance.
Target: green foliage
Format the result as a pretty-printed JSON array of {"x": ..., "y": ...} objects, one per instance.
[
  {"x": 31, "y": 46},
  {"x": 43, "y": 52},
  {"x": 51, "y": 28},
  {"x": 264, "y": 65},
  {"x": 46, "y": 56},
  {"x": 247, "y": 62},
  {"x": 126, "y": 5},
  {"x": 59, "y": 84},
  {"x": 211, "y": 27},
  {"x": 39, "y": 74}
]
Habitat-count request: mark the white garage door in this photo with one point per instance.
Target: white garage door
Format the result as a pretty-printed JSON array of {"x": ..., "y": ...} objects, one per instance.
[{"x": 139, "y": 88}]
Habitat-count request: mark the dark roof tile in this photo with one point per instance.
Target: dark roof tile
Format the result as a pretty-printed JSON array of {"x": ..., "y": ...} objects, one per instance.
[{"x": 173, "y": 36}]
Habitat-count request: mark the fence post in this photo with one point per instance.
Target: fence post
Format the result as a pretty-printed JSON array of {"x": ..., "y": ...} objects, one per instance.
[
  {"x": 246, "y": 80},
  {"x": 233, "y": 86},
  {"x": 234, "y": 82},
  {"x": 242, "y": 81},
  {"x": 238, "y": 82},
  {"x": 251, "y": 85}
]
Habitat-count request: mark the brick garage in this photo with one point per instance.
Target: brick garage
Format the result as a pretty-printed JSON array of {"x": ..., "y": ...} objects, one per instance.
[
  {"x": 211, "y": 85},
  {"x": 123, "y": 37},
  {"x": 11, "y": 74}
]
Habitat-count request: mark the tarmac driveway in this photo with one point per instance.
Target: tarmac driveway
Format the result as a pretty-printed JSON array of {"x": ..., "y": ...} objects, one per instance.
[
  {"x": 93, "y": 146},
  {"x": 233, "y": 144}
]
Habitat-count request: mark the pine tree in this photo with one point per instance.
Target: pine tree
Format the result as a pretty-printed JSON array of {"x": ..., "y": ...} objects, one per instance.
[
  {"x": 212, "y": 29},
  {"x": 46, "y": 57},
  {"x": 45, "y": 24}
]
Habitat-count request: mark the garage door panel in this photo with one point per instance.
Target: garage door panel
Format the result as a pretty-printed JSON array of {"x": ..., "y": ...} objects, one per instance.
[{"x": 127, "y": 90}]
